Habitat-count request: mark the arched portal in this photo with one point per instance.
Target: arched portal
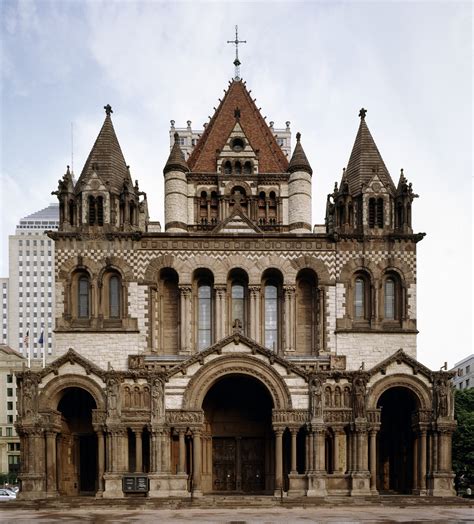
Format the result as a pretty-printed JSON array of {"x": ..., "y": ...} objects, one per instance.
[
  {"x": 238, "y": 417},
  {"x": 396, "y": 440},
  {"x": 76, "y": 444}
]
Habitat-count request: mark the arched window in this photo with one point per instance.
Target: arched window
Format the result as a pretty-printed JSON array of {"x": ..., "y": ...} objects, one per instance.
[
  {"x": 83, "y": 297},
  {"x": 372, "y": 212},
  {"x": 359, "y": 298},
  {"x": 168, "y": 312},
  {"x": 114, "y": 296},
  {"x": 238, "y": 168},
  {"x": 389, "y": 299},
  {"x": 92, "y": 212},
  {"x": 227, "y": 168},
  {"x": 204, "y": 315},
  {"x": 133, "y": 217},
  {"x": 271, "y": 316},
  {"x": 380, "y": 212},
  {"x": 100, "y": 211},
  {"x": 306, "y": 312},
  {"x": 72, "y": 212},
  {"x": 247, "y": 168},
  {"x": 238, "y": 303}
]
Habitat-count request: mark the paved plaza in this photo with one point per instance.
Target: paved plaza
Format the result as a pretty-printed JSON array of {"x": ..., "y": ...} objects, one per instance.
[{"x": 343, "y": 515}]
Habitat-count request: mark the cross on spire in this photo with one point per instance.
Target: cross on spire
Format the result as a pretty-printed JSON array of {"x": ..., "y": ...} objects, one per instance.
[{"x": 236, "y": 42}]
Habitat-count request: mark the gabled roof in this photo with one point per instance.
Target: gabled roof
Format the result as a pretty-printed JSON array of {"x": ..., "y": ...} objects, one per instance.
[
  {"x": 107, "y": 158},
  {"x": 72, "y": 357},
  {"x": 298, "y": 161},
  {"x": 365, "y": 161},
  {"x": 401, "y": 357},
  {"x": 237, "y": 338},
  {"x": 237, "y": 104},
  {"x": 237, "y": 222}
]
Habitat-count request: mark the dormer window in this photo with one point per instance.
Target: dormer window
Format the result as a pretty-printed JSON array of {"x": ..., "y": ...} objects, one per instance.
[{"x": 237, "y": 144}]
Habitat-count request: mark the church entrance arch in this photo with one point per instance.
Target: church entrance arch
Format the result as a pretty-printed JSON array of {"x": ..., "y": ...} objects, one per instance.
[
  {"x": 238, "y": 419},
  {"x": 76, "y": 443},
  {"x": 396, "y": 440}
]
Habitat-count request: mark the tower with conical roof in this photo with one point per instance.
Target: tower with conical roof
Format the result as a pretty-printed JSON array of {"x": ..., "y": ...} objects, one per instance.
[
  {"x": 104, "y": 199},
  {"x": 366, "y": 201}
]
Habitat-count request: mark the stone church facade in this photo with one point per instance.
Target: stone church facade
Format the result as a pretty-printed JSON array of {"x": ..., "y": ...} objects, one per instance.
[{"x": 240, "y": 350}]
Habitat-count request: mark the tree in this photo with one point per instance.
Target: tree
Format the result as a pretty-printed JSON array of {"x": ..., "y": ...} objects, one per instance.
[{"x": 463, "y": 438}]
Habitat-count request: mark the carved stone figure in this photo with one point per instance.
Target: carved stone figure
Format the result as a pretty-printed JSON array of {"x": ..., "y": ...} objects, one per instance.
[
  {"x": 157, "y": 404},
  {"x": 316, "y": 398},
  {"x": 29, "y": 394},
  {"x": 113, "y": 405},
  {"x": 443, "y": 394},
  {"x": 359, "y": 398}
]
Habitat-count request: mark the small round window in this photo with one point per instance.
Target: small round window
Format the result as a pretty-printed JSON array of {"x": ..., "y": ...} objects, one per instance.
[{"x": 238, "y": 144}]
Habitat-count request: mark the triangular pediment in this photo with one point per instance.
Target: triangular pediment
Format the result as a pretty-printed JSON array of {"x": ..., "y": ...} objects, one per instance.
[
  {"x": 237, "y": 222},
  {"x": 376, "y": 185},
  {"x": 236, "y": 344},
  {"x": 72, "y": 357},
  {"x": 400, "y": 358},
  {"x": 94, "y": 183}
]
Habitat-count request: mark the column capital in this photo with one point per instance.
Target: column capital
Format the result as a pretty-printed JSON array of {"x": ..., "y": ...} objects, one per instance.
[
  {"x": 185, "y": 290},
  {"x": 279, "y": 431},
  {"x": 289, "y": 290}
]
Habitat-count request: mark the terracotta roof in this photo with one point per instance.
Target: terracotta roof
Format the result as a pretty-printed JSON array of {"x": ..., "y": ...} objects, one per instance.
[
  {"x": 176, "y": 160},
  {"x": 271, "y": 158},
  {"x": 298, "y": 161},
  {"x": 107, "y": 155},
  {"x": 365, "y": 161}
]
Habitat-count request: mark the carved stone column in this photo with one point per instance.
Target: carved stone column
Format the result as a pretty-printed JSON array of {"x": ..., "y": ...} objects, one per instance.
[
  {"x": 185, "y": 318},
  {"x": 51, "y": 481},
  {"x": 278, "y": 461},
  {"x": 339, "y": 447},
  {"x": 294, "y": 433},
  {"x": 254, "y": 317},
  {"x": 182, "y": 452},
  {"x": 422, "y": 462},
  {"x": 100, "y": 462},
  {"x": 197, "y": 462},
  {"x": 289, "y": 313},
  {"x": 221, "y": 312},
  {"x": 138, "y": 450},
  {"x": 373, "y": 461},
  {"x": 310, "y": 457}
]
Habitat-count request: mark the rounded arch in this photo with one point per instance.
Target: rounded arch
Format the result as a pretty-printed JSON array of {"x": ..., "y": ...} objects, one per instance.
[
  {"x": 208, "y": 375},
  {"x": 357, "y": 265},
  {"x": 273, "y": 262},
  {"x": 153, "y": 269},
  {"x": 231, "y": 185},
  {"x": 194, "y": 263},
  {"x": 120, "y": 266},
  {"x": 79, "y": 263},
  {"x": 51, "y": 394},
  {"x": 414, "y": 384},
  {"x": 318, "y": 266}
]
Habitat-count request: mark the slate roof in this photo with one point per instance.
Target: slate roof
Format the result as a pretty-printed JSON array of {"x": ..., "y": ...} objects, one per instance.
[
  {"x": 298, "y": 161},
  {"x": 365, "y": 161},
  {"x": 108, "y": 156},
  {"x": 271, "y": 158},
  {"x": 176, "y": 160}
]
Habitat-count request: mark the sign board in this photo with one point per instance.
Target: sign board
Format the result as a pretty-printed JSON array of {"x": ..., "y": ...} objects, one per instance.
[{"x": 135, "y": 484}]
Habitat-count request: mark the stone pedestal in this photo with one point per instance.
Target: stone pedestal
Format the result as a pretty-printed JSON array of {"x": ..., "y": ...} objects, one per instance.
[
  {"x": 32, "y": 486},
  {"x": 163, "y": 485},
  {"x": 441, "y": 485},
  {"x": 316, "y": 485},
  {"x": 112, "y": 486},
  {"x": 297, "y": 486},
  {"x": 360, "y": 484}
]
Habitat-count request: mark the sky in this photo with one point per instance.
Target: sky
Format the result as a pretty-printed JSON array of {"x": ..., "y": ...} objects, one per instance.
[{"x": 312, "y": 63}]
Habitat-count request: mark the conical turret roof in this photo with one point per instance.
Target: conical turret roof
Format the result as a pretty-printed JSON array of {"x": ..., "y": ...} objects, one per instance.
[
  {"x": 237, "y": 104},
  {"x": 176, "y": 160},
  {"x": 365, "y": 161},
  {"x": 298, "y": 161},
  {"x": 106, "y": 158}
]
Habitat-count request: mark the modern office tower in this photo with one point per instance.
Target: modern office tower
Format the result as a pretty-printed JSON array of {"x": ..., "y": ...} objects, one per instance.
[
  {"x": 31, "y": 284},
  {"x": 4, "y": 310}
]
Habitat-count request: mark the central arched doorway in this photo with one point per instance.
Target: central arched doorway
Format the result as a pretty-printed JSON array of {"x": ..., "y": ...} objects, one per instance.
[
  {"x": 77, "y": 444},
  {"x": 396, "y": 440},
  {"x": 238, "y": 417}
]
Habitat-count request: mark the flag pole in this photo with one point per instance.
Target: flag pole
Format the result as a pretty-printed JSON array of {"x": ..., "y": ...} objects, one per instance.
[
  {"x": 28, "y": 349},
  {"x": 42, "y": 345}
]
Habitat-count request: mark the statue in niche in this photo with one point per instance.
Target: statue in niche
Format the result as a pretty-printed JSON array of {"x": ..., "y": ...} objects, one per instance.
[
  {"x": 29, "y": 394},
  {"x": 316, "y": 398},
  {"x": 113, "y": 407},
  {"x": 337, "y": 397},
  {"x": 157, "y": 398},
  {"x": 443, "y": 394},
  {"x": 359, "y": 398},
  {"x": 347, "y": 397}
]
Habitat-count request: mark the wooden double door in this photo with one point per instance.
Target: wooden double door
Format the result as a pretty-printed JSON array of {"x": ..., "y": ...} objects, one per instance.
[{"x": 238, "y": 464}]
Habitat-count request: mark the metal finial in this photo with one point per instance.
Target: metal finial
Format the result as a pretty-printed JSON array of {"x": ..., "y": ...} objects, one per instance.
[
  {"x": 236, "y": 42},
  {"x": 108, "y": 109},
  {"x": 362, "y": 113}
]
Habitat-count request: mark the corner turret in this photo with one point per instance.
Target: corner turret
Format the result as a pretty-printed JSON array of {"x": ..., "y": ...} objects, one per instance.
[{"x": 299, "y": 190}]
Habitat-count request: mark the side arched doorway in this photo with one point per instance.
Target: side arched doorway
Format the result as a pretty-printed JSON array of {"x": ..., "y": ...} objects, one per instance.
[
  {"x": 238, "y": 418},
  {"x": 76, "y": 444},
  {"x": 396, "y": 440}
]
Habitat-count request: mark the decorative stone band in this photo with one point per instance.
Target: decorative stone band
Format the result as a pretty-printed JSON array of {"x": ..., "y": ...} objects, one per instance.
[
  {"x": 176, "y": 225},
  {"x": 184, "y": 419},
  {"x": 290, "y": 418},
  {"x": 300, "y": 225}
]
